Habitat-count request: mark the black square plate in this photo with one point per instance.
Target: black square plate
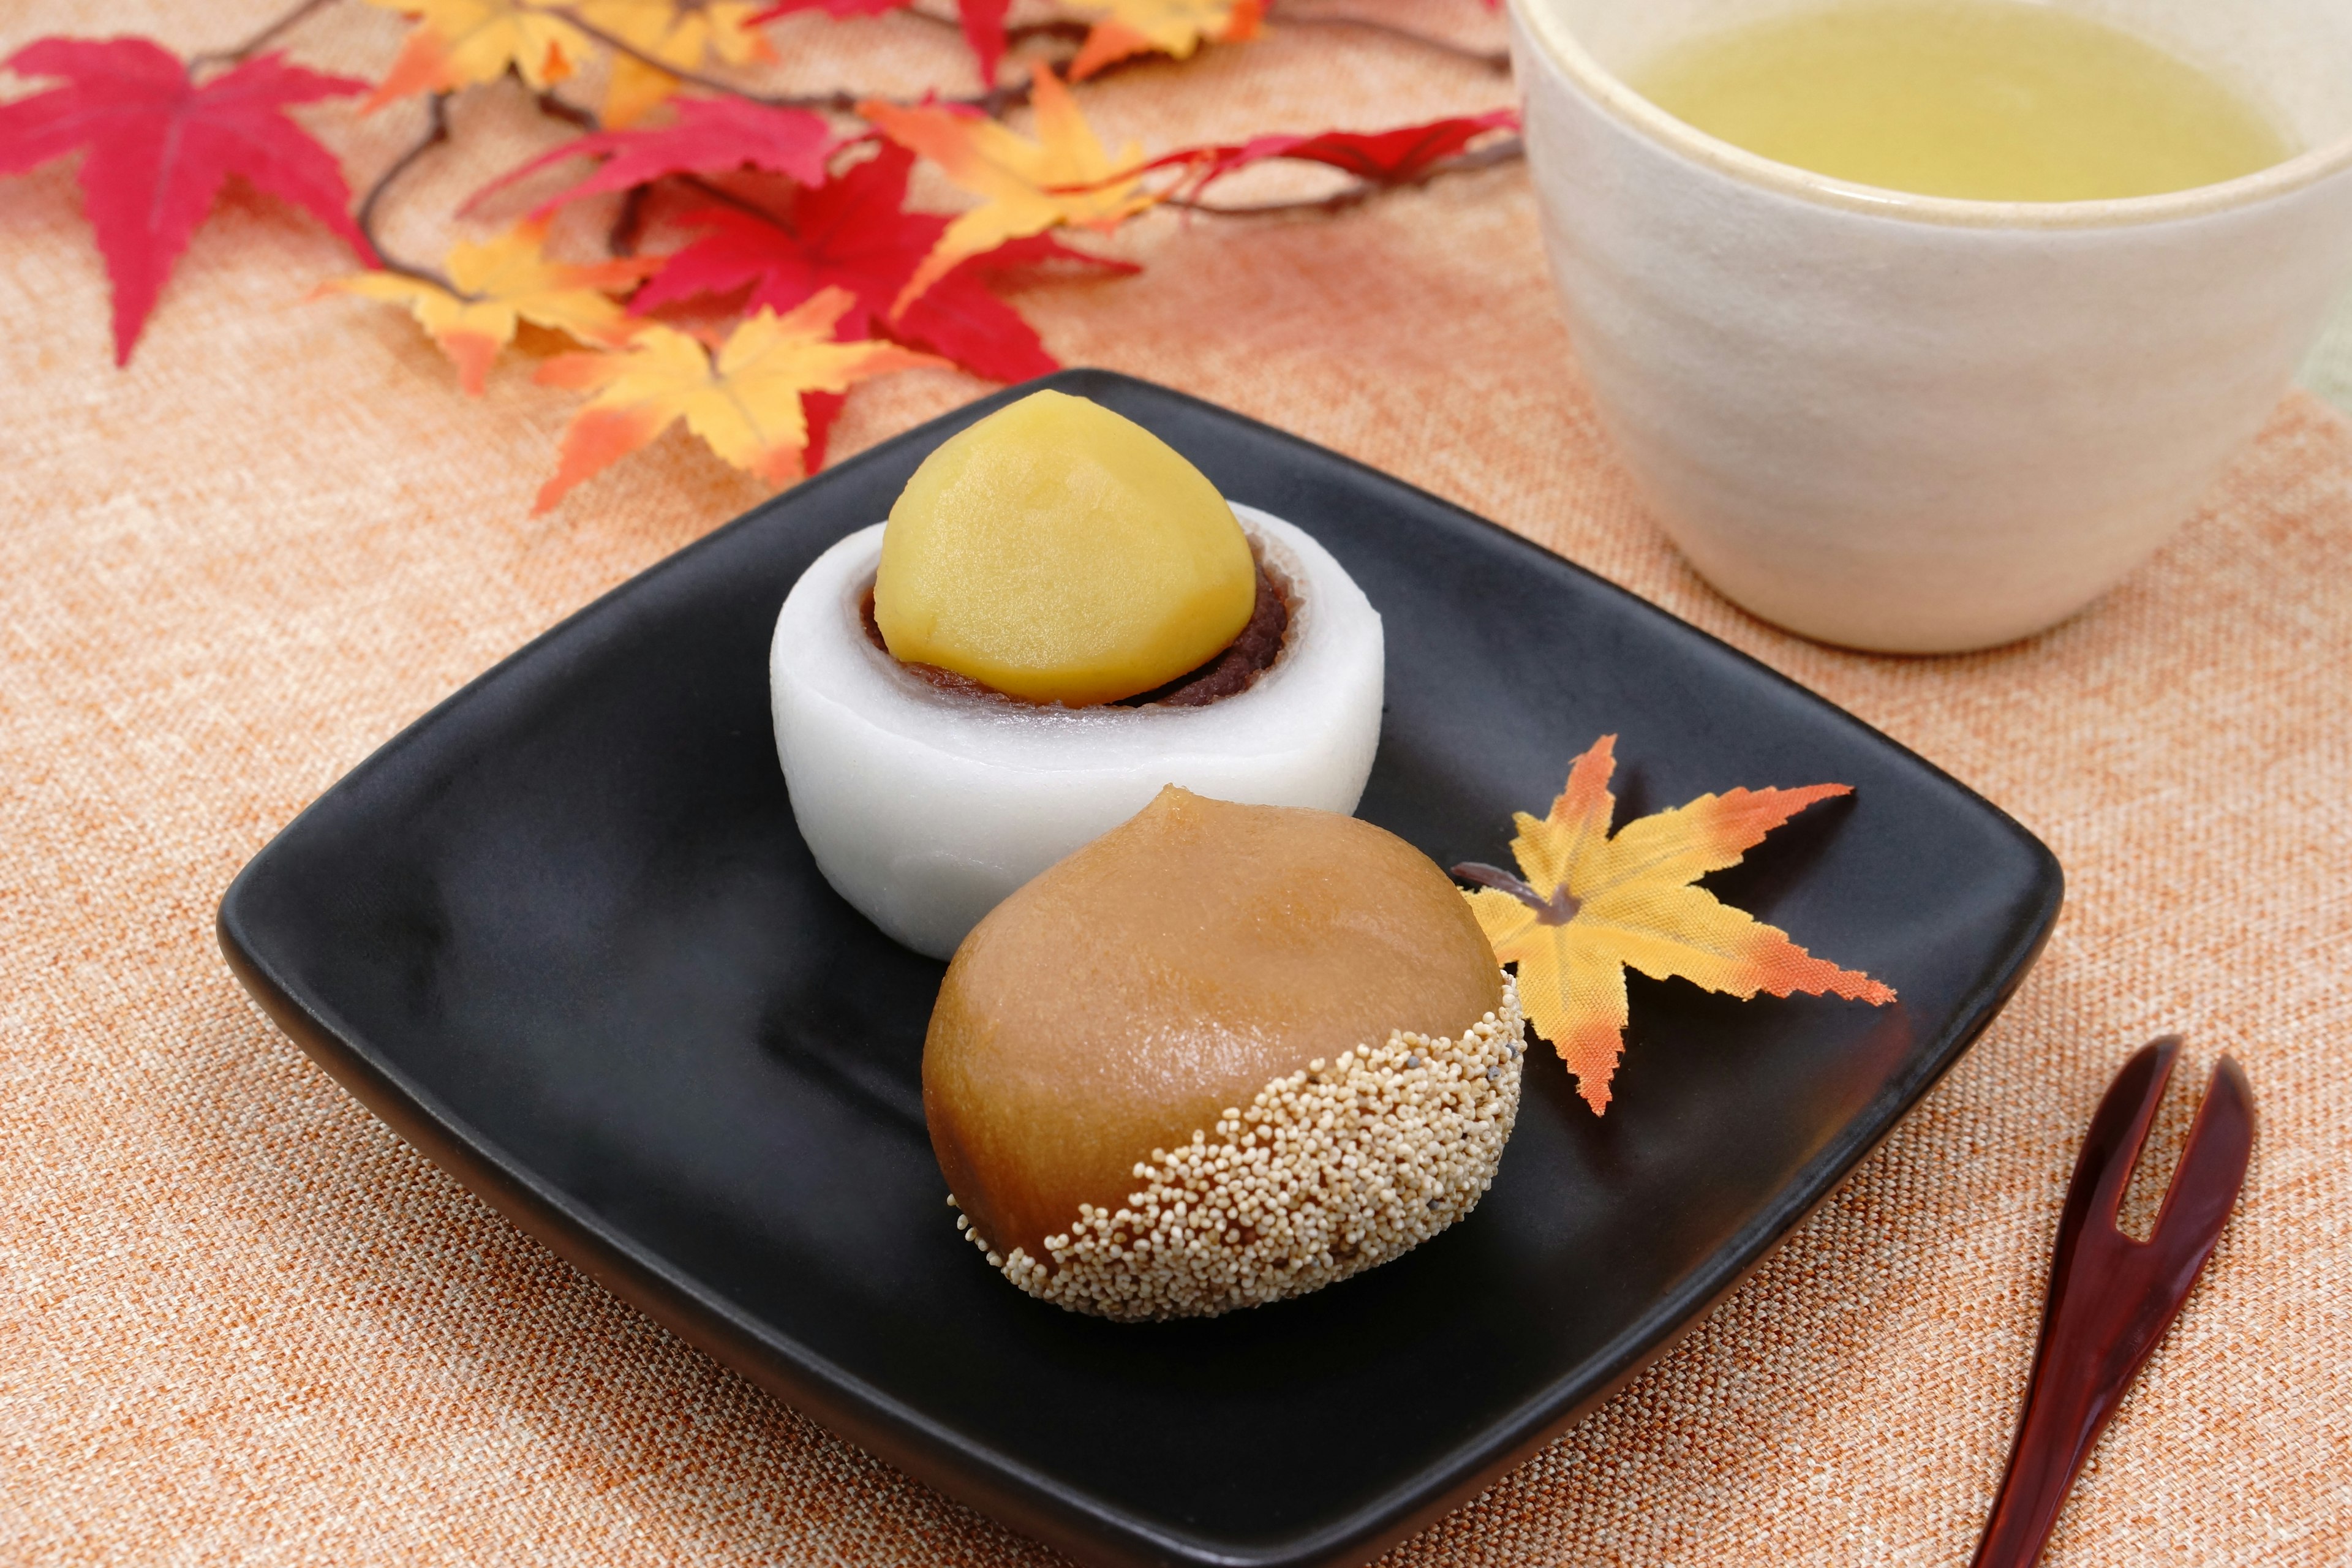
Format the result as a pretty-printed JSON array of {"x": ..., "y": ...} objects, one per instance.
[{"x": 563, "y": 935}]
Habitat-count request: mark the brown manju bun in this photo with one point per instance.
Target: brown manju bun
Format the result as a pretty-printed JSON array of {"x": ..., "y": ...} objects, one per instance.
[{"x": 1221, "y": 1054}]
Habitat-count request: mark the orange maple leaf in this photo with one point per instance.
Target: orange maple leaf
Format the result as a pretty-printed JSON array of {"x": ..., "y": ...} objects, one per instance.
[
  {"x": 679, "y": 33},
  {"x": 1062, "y": 177},
  {"x": 1175, "y": 27},
  {"x": 1591, "y": 906},
  {"x": 745, "y": 401},
  {"x": 501, "y": 283},
  {"x": 463, "y": 43}
]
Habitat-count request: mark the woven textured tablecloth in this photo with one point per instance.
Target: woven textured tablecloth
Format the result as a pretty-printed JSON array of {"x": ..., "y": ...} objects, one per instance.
[{"x": 240, "y": 1321}]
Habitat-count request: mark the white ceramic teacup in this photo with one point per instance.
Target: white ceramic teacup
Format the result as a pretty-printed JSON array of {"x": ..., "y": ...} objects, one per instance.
[{"x": 1913, "y": 423}]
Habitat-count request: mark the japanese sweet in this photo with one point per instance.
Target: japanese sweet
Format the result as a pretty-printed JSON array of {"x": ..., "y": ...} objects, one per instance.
[
  {"x": 1221, "y": 1054},
  {"x": 1061, "y": 615}
]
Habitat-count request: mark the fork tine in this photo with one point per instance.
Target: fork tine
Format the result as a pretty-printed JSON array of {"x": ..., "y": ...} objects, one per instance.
[
  {"x": 2111, "y": 1146},
  {"x": 2212, "y": 1167}
]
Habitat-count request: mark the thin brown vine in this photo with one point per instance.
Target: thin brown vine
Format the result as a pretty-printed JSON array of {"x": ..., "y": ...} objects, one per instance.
[
  {"x": 436, "y": 132},
  {"x": 994, "y": 102},
  {"x": 1062, "y": 30},
  {"x": 257, "y": 42},
  {"x": 1509, "y": 150}
]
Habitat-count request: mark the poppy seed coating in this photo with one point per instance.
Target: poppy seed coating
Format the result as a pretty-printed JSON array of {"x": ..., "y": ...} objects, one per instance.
[
  {"x": 1166, "y": 973},
  {"x": 1327, "y": 1172}
]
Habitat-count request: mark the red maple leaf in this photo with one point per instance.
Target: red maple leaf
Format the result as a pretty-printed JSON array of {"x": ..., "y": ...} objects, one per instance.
[
  {"x": 853, "y": 231},
  {"x": 957, "y": 318},
  {"x": 160, "y": 147},
  {"x": 820, "y": 409},
  {"x": 983, "y": 23},
  {"x": 710, "y": 135},
  {"x": 1395, "y": 157}
]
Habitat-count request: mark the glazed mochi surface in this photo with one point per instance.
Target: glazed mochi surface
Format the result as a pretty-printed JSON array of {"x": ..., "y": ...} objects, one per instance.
[{"x": 1221, "y": 1056}]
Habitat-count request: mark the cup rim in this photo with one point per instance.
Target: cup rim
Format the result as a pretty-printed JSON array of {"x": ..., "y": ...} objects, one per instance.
[{"x": 1552, "y": 36}]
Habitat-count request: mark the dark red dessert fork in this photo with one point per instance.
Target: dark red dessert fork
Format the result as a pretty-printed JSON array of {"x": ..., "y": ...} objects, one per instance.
[{"x": 2112, "y": 1297}]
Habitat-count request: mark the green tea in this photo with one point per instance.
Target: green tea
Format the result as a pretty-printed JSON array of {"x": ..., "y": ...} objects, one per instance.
[{"x": 1990, "y": 100}]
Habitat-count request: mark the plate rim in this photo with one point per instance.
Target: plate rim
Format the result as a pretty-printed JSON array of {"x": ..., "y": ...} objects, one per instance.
[{"x": 1034, "y": 1500}]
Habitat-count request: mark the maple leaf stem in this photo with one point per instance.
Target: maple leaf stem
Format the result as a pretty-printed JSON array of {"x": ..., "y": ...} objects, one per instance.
[
  {"x": 257, "y": 42},
  {"x": 1509, "y": 150},
  {"x": 1556, "y": 910},
  {"x": 553, "y": 105},
  {"x": 436, "y": 130},
  {"x": 997, "y": 100},
  {"x": 628, "y": 223},
  {"x": 1493, "y": 59},
  {"x": 1067, "y": 30},
  {"x": 993, "y": 103},
  {"x": 837, "y": 103}
]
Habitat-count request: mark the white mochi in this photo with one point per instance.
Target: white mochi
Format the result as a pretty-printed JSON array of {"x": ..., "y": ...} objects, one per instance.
[{"x": 925, "y": 809}]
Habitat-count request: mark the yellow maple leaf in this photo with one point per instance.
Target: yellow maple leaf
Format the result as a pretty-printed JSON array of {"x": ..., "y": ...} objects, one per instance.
[
  {"x": 746, "y": 402},
  {"x": 1591, "y": 906},
  {"x": 1062, "y": 177},
  {"x": 680, "y": 33},
  {"x": 462, "y": 43},
  {"x": 500, "y": 283},
  {"x": 1176, "y": 27}
]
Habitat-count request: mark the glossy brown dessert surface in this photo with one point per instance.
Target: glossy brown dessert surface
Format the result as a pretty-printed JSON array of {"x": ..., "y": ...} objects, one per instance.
[{"x": 1167, "y": 972}]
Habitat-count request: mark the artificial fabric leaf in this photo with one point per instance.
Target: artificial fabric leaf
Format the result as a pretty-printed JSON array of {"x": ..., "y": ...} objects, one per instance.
[
  {"x": 679, "y": 33},
  {"x": 502, "y": 282},
  {"x": 961, "y": 317},
  {"x": 983, "y": 31},
  {"x": 1587, "y": 906},
  {"x": 158, "y": 147},
  {"x": 1392, "y": 157},
  {"x": 710, "y": 135},
  {"x": 852, "y": 232},
  {"x": 1062, "y": 177},
  {"x": 1176, "y": 27},
  {"x": 746, "y": 402},
  {"x": 820, "y": 409},
  {"x": 983, "y": 22},
  {"x": 463, "y": 43}
]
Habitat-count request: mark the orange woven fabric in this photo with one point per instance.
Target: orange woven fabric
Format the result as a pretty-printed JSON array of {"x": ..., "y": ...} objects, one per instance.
[{"x": 244, "y": 1323}]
